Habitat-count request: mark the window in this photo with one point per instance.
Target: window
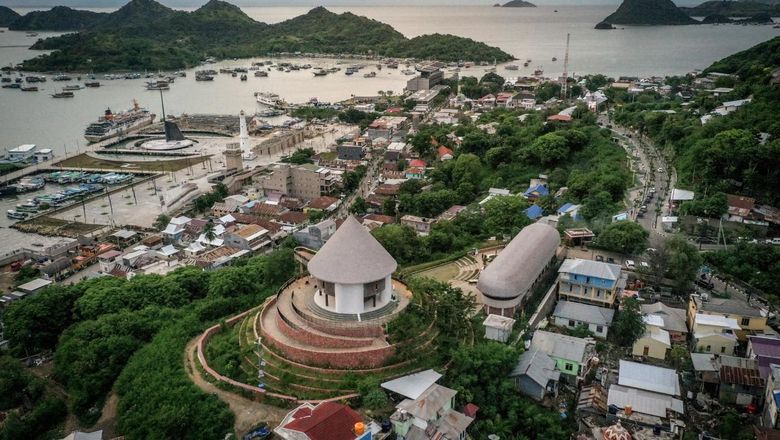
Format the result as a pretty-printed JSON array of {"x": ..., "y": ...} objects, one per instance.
[
  {"x": 722, "y": 349},
  {"x": 571, "y": 323},
  {"x": 745, "y": 322},
  {"x": 709, "y": 348},
  {"x": 569, "y": 367},
  {"x": 599, "y": 328}
]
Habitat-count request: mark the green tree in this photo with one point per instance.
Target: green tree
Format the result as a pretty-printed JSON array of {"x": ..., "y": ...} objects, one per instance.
[
  {"x": 359, "y": 206},
  {"x": 504, "y": 215},
  {"x": 626, "y": 237},
  {"x": 684, "y": 262},
  {"x": 209, "y": 231},
  {"x": 550, "y": 148},
  {"x": 161, "y": 222},
  {"x": 598, "y": 205},
  {"x": 629, "y": 325},
  {"x": 388, "y": 206}
]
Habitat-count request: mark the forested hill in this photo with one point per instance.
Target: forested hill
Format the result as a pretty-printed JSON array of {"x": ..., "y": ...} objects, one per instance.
[
  {"x": 59, "y": 18},
  {"x": 732, "y": 8},
  {"x": 518, "y": 4},
  {"x": 7, "y": 16},
  {"x": 144, "y": 34},
  {"x": 754, "y": 64},
  {"x": 649, "y": 12}
]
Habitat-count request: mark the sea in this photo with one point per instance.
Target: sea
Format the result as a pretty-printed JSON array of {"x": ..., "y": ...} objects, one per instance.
[{"x": 536, "y": 34}]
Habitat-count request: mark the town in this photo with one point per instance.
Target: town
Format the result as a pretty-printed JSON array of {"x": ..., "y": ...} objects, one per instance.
[{"x": 476, "y": 258}]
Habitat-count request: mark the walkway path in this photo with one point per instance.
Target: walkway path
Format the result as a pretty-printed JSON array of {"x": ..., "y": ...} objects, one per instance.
[{"x": 248, "y": 413}]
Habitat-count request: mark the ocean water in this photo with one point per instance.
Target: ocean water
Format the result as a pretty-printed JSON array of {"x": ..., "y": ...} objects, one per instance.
[{"x": 537, "y": 34}]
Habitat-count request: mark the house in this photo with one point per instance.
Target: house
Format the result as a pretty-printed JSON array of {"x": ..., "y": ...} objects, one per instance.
[
  {"x": 430, "y": 416},
  {"x": 578, "y": 236},
  {"x": 487, "y": 101},
  {"x": 350, "y": 152},
  {"x": 315, "y": 236},
  {"x": 534, "y": 212},
  {"x": 571, "y": 210},
  {"x": 451, "y": 213},
  {"x": 536, "y": 375},
  {"x": 673, "y": 320},
  {"x": 498, "y": 328},
  {"x": 707, "y": 371},
  {"x": 123, "y": 237},
  {"x": 323, "y": 203},
  {"x": 505, "y": 100},
  {"x": 430, "y": 75},
  {"x": 535, "y": 191},
  {"x": 764, "y": 349},
  {"x": 571, "y": 355},
  {"x": 412, "y": 385},
  {"x": 253, "y": 238},
  {"x": 175, "y": 229},
  {"x": 571, "y": 315},
  {"x": 559, "y": 118},
  {"x": 646, "y": 394},
  {"x": 421, "y": 225},
  {"x": 740, "y": 381},
  {"x": 655, "y": 342},
  {"x": 107, "y": 260},
  {"x": 324, "y": 421},
  {"x": 388, "y": 127},
  {"x": 714, "y": 334},
  {"x": 167, "y": 252},
  {"x": 444, "y": 153},
  {"x": 740, "y": 208},
  {"x": 34, "y": 286},
  {"x": 414, "y": 173},
  {"x": 771, "y": 415},
  {"x": 590, "y": 282},
  {"x": 505, "y": 283},
  {"x": 750, "y": 319}
]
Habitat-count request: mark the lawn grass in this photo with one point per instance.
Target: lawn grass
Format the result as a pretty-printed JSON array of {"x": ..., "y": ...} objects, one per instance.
[{"x": 88, "y": 162}]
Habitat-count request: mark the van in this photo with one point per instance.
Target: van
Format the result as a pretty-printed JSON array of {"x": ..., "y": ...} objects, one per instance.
[{"x": 704, "y": 284}]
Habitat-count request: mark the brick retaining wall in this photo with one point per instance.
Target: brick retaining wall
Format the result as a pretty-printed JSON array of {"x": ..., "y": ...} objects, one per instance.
[{"x": 307, "y": 337}]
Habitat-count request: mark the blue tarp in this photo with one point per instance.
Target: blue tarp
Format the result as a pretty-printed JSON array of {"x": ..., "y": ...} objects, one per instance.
[{"x": 534, "y": 212}]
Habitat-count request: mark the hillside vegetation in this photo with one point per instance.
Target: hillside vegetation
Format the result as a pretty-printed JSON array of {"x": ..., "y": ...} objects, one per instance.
[
  {"x": 649, "y": 12},
  {"x": 7, "y": 16},
  {"x": 58, "y": 18},
  {"x": 732, "y": 9},
  {"x": 144, "y": 34}
]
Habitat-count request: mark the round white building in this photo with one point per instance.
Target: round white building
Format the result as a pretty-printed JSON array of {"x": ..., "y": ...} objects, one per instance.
[{"x": 352, "y": 271}]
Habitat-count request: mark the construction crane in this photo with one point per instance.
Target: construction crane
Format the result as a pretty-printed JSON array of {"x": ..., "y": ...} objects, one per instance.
[{"x": 565, "y": 85}]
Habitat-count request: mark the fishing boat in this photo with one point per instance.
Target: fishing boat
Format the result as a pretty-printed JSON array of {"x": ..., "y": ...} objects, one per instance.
[
  {"x": 267, "y": 99},
  {"x": 525, "y": 64},
  {"x": 29, "y": 89},
  {"x": 26, "y": 207},
  {"x": 512, "y": 67},
  {"x": 158, "y": 85},
  {"x": 369, "y": 75},
  {"x": 35, "y": 78},
  {"x": 243, "y": 77},
  {"x": 350, "y": 71},
  {"x": 554, "y": 59},
  {"x": 63, "y": 94},
  {"x": 61, "y": 77},
  {"x": 318, "y": 71},
  {"x": 27, "y": 184},
  {"x": 203, "y": 77},
  {"x": 15, "y": 215},
  {"x": 12, "y": 86},
  {"x": 111, "y": 125},
  {"x": 261, "y": 74},
  {"x": 71, "y": 87},
  {"x": 92, "y": 84},
  {"x": 269, "y": 112}
]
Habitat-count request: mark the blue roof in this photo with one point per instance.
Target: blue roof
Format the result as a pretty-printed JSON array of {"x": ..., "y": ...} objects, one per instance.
[
  {"x": 777, "y": 397},
  {"x": 534, "y": 212},
  {"x": 565, "y": 208},
  {"x": 538, "y": 189}
]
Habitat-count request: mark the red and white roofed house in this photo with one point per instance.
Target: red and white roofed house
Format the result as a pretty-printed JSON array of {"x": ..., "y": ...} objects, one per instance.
[
  {"x": 559, "y": 118},
  {"x": 325, "y": 421},
  {"x": 444, "y": 153},
  {"x": 487, "y": 101},
  {"x": 506, "y": 100}
]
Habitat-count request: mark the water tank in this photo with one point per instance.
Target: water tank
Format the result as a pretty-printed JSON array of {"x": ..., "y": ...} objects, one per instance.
[{"x": 360, "y": 428}]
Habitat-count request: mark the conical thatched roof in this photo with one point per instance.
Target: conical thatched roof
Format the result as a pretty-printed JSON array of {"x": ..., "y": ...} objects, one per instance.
[{"x": 352, "y": 256}]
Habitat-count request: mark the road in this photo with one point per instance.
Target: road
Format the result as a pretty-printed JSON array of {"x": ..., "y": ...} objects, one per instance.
[{"x": 366, "y": 186}]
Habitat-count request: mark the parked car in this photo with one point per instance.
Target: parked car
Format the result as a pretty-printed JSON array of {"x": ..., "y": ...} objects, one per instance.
[
  {"x": 599, "y": 258},
  {"x": 630, "y": 264},
  {"x": 709, "y": 285}
]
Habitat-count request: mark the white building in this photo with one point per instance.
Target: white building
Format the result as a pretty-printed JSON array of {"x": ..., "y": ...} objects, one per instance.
[
  {"x": 21, "y": 153},
  {"x": 571, "y": 315},
  {"x": 498, "y": 328}
]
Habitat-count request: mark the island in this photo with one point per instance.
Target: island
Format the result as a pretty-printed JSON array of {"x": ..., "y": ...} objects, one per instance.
[
  {"x": 604, "y": 26},
  {"x": 58, "y": 18},
  {"x": 7, "y": 16},
  {"x": 732, "y": 9},
  {"x": 146, "y": 35},
  {"x": 649, "y": 13},
  {"x": 760, "y": 18},
  {"x": 518, "y": 4}
]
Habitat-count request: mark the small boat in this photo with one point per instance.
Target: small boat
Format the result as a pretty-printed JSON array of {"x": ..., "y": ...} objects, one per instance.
[
  {"x": 61, "y": 77},
  {"x": 158, "y": 85},
  {"x": 512, "y": 67},
  {"x": 15, "y": 215},
  {"x": 72, "y": 87},
  {"x": 349, "y": 71},
  {"x": 234, "y": 74},
  {"x": 525, "y": 64},
  {"x": 203, "y": 77},
  {"x": 243, "y": 77},
  {"x": 319, "y": 72},
  {"x": 30, "y": 89},
  {"x": 35, "y": 78},
  {"x": 261, "y": 74},
  {"x": 369, "y": 75},
  {"x": 92, "y": 83},
  {"x": 554, "y": 59},
  {"x": 63, "y": 94},
  {"x": 27, "y": 207},
  {"x": 12, "y": 86}
]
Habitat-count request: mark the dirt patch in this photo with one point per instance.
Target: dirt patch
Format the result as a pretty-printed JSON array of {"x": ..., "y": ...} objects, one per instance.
[{"x": 86, "y": 161}]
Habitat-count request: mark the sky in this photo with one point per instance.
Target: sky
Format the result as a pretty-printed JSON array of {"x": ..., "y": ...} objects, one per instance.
[{"x": 194, "y": 3}]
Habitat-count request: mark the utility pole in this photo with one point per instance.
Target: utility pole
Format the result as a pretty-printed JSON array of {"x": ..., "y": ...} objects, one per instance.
[{"x": 565, "y": 85}]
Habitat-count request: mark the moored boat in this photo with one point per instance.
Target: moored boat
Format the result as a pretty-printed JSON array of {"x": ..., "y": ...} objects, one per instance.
[
  {"x": 63, "y": 94},
  {"x": 111, "y": 125},
  {"x": 15, "y": 215}
]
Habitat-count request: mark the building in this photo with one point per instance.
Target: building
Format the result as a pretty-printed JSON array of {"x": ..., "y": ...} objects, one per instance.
[
  {"x": 34, "y": 286},
  {"x": 536, "y": 375},
  {"x": 78, "y": 435},
  {"x": 233, "y": 157},
  {"x": 646, "y": 394},
  {"x": 324, "y": 421},
  {"x": 21, "y": 153},
  {"x": 305, "y": 182},
  {"x": 444, "y": 153},
  {"x": 421, "y": 225},
  {"x": 323, "y": 203},
  {"x": 750, "y": 319},
  {"x": 43, "y": 155},
  {"x": 253, "y": 238},
  {"x": 740, "y": 381},
  {"x": 175, "y": 229},
  {"x": 572, "y": 315},
  {"x": 673, "y": 320},
  {"x": 590, "y": 282},
  {"x": 571, "y": 355},
  {"x": 388, "y": 127},
  {"x": 505, "y": 283},
  {"x": 315, "y": 236},
  {"x": 429, "y": 76},
  {"x": 412, "y": 385},
  {"x": 764, "y": 349},
  {"x": 655, "y": 342},
  {"x": 350, "y": 281},
  {"x": 350, "y": 152},
  {"x": 430, "y": 416},
  {"x": 498, "y": 328},
  {"x": 714, "y": 334},
  {"x": 424, "y": 97},
  {"x": 771, "y": 415},
  {"x": 534, "y": 192}
]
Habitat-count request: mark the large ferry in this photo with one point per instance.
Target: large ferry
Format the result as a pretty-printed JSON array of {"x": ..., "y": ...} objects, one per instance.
[{"x": 111, "y": 125}]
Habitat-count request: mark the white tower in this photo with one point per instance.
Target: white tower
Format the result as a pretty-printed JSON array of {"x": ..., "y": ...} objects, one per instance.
[{"x": 243, "y": 132}]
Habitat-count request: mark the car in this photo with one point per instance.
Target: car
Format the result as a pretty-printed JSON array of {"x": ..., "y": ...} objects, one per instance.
[
  {"x": 660, "y": 170},
  {"x": 610, "y": 260},
  {"x": 644, "y": 265},
  {"x": 640, "y": 215},
  {"x": 651, "y": 250},
  {"x": 630, "y": 264},
  {"x": 599, "y": 258},
  {"x": 709, "y": 285}
]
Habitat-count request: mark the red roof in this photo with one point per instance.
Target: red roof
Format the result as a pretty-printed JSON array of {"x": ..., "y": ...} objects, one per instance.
[
  {"x": 328, "y": 421},
  {"x": 417, "y": 163},
  {"x": 470, "y": 410},
  {"x": 444, "y": 151},
  {"x": 322, "y": 202},
  {"x": 253, "y": 219},
  {"x": 293, "y": 217},
  {"x": 559, "y": 118},
  {"x": 380, "y": 218}
]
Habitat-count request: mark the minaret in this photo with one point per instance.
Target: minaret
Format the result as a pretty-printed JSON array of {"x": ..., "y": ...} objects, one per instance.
[
  {"x": 233, "y": 151},
  {"x": 243, "y": 132}
]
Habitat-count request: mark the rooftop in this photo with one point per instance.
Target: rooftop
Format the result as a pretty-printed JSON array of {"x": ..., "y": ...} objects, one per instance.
[
  {"x": 326, "y": 421},
  {"x": 413, "y": 385},
  {"x": 584, "y": 312},
  {"x": 560, "y": 346},
  {"x": 590, "y": 268},
  {"x": 649, "y": 377},
  {"x": 499, "y": 322},
  {"x": 716, "y": 321},
  {"x": 34, "y": 285},
  {"x": 642, "y": 401},
  {"x": 728, "y": 306},
  {"x": 674, "y": 319},
  {"x": 537, "y": 365},
  {"x": 429, "y": 403},
  {"x": 352, "y": 256}
]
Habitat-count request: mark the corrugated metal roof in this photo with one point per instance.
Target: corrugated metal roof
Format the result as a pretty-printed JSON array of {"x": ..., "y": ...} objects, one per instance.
[
  {"x": 716, "y": 321},
  {"x": 412, "y": 385},
  {"x": 642, "y": 401},
  {"x": 741, "y": 371},
  {"x": 590, "y": 268},
  {"x": 560, "y": 346},
  {"x": 429, "y": 403},
  {"x": 584, "y": 312},
  {"x": 538, "y": 366},
  {"x": 674, "y": 319},
  {"x": 649, "y": 377}
]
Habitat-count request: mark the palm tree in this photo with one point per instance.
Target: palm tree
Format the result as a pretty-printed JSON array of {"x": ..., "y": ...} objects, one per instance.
[{"x": 208, "y": 231}]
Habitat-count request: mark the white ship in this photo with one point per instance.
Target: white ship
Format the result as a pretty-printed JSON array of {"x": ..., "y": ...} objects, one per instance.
[
  {"x": 267, "y": 99},
  {"x": 111, "y": 125}
]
